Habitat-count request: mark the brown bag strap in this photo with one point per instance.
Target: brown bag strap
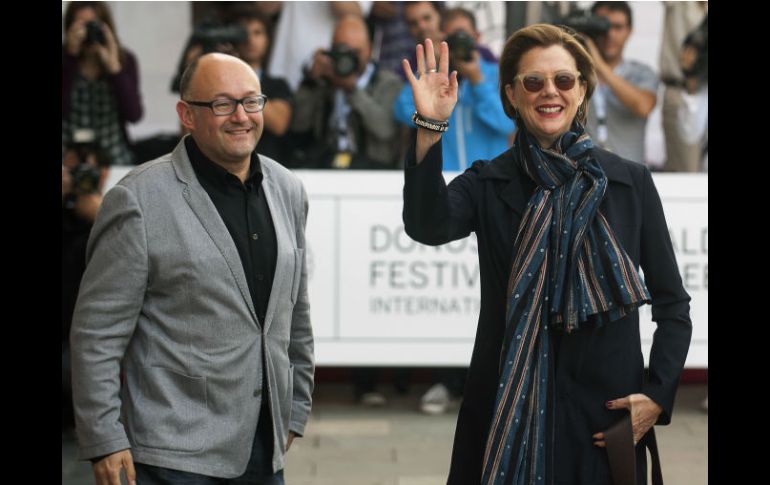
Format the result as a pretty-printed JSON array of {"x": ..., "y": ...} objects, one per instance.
[
  {"x": 619, "y": 439},
  {"x": 652, "y": 445}
]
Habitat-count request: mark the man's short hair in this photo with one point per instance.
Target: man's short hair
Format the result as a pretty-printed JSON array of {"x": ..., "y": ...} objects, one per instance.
[
  {"x": 453, "y": 13},
  {"x": 614, "y": 7},
  {"x": 187, "y": 75}
]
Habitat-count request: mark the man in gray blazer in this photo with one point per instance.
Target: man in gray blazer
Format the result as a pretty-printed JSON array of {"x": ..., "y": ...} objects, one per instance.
[{"x": 192, "y": 350}]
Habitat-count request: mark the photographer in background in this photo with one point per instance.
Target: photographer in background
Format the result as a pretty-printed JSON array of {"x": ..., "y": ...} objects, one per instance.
[
  {"x": 83, "y": 174},
  {"x": 626, "y": 92},
  {"x": 463, "y": 37},
  {"x": 478, "y": 128},
  {"x": 693, "y": 112},
  {"x": 100, "y": 82},
  {"x": 342, "y": 110},
  {"x": 679, "y": 20}
]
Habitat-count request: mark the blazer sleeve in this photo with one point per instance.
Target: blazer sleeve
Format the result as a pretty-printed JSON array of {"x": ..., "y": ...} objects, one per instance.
[
  {"x": 108, "y": 305},
  {"x": 670, "y": 303},
  {"x": 436, "y": 213},
  {"x": 301, "y": 353}
]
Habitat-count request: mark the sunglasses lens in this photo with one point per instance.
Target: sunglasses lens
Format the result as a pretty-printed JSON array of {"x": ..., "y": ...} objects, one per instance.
[
  {"x": 533, "y": 84},
  {"x": 564, "y": 82}
]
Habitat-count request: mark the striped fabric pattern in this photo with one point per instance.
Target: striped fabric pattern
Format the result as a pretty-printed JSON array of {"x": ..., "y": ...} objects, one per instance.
[{"x": 568, "y": 268}]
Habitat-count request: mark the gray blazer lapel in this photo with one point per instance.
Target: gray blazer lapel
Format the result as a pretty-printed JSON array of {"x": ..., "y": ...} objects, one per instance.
[
  {"x": 285, "y": 249},
  {"x": 207, "y": 214}
]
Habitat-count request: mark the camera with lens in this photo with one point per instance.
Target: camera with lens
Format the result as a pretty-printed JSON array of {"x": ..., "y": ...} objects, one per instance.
[
  {"x": 461, "y": 45},
  {"x": 584, "y": 22},
  {"x": 94, "y": 33},
  {"x": 85, "y": 179},
  {"x": 344, "y": 60},
  {"x": 86, "y": 172},
  {"x": 210, "y": 37}
]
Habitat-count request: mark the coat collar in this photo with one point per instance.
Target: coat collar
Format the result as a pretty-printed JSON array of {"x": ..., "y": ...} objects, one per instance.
[
  {"x": 207, "y": 214},
  {"x": 515, "y": 187}
]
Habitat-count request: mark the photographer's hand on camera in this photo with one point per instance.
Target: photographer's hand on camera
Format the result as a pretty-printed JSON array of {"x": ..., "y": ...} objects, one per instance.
[
  {"x": 108, "y": 53},
  {"x": 602, "y": 68},
  {"x": 87, "y": 205},
  {"x": 323, "y": 70},
  {"x": 636, "y": 100},
  {"x": 347, "y": 83},
  {"x": 76, "y": 34},
  {"x": 322, "y": 67}
]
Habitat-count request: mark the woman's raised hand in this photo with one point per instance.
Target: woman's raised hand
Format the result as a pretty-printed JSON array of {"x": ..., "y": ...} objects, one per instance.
[{"x": 434, "y": 89}]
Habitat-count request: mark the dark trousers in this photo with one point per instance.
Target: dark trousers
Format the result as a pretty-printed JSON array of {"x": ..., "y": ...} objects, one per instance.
[{"x": 258, "y": 471}]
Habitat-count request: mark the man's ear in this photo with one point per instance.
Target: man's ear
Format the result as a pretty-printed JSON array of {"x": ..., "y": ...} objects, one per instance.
[{"x": 184, "y": 111}]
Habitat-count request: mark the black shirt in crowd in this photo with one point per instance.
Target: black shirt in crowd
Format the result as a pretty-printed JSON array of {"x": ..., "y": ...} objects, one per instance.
[
  {"x": 244, "y": 210},
  {"x": 271, "y": 145}
]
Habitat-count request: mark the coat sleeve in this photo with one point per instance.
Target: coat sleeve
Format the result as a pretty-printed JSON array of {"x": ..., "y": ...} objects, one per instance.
[
  {"x": 301, "y": 354},
  {"x": 670, "y": 303},
  {"x": 69, "y": 68},
  {"x": 126, "y": 87},
  {"x": 435, "y": 213},
  {"x": 108, "y": 305}
]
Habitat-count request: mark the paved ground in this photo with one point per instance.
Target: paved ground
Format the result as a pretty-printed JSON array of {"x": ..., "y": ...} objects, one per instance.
[{"x": 396, "y": 445}]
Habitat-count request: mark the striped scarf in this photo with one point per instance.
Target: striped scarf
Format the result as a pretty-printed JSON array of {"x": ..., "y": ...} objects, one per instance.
[{"x": 568, "y": 268}]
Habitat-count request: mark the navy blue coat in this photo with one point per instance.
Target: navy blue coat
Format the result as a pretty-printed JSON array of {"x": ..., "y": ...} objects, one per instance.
[{"x": 594, "y": 364}]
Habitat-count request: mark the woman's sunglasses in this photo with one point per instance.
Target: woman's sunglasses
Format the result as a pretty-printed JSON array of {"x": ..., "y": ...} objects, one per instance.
[{"x": 535, "y": 82}]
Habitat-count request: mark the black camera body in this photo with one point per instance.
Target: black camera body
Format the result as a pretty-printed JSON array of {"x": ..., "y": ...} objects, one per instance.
[
  {"x": 209, "y": 36},
  {"x": 583, "y": 22},
  {"x": 461, "y": 45},
  {"x": 86, "y": 174},
  {"x": 344, "y": 60},
  {"x": 94, "y": 33},
  {"x": 85, "y": 179}
]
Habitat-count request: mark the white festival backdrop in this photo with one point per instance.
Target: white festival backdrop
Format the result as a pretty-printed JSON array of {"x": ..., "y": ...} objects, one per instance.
[{"x": 379, "y": 298}]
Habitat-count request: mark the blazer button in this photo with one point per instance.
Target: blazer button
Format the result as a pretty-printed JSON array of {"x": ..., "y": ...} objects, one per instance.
[
  {"x": 257, "y": 392},
  {"x": 255, "y": 236}
]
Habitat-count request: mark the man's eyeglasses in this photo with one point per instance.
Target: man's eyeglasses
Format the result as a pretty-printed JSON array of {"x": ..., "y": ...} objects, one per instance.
[
  {"x": 535, "y": 82},
  {"x": 227, "y": 106}
]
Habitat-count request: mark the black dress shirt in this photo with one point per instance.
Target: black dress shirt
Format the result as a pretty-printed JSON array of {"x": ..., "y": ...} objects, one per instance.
[{"x": 245, "y": 212}]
